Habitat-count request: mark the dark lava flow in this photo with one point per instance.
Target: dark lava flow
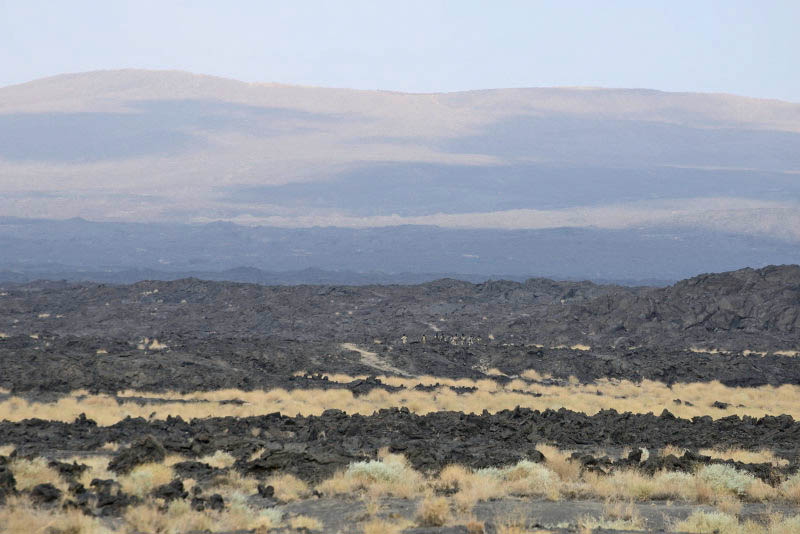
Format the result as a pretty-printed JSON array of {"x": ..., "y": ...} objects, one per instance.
[
  {"x": 228, "y": 335},
  {"x": 314, "y": 447}
]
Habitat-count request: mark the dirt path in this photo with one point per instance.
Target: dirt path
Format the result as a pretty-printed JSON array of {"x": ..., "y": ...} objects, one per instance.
[{"x": 373, "y": 360}]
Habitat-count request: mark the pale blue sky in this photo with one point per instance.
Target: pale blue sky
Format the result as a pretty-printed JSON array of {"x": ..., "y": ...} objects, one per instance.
[{"x": 743, "y": 47}]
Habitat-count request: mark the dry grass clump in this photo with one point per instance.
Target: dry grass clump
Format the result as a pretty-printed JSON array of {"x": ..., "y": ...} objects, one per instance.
[
  {"x": 588, "y": 524},
  {"x": 729, "y": 505},
  {"x": 433, "y": 511},
  {"x": 784, "y": 525},
  {"x": 526, "y": 478},
  {"x": 763, "y": 456},
  {"x": 30, "y": 473},
  {"x": 234, "y": 482},
  {"x": 453, "y": 477},
  {"x": 220, "y": 460},
  {"x": 478, "y": 489},
  {"x": 633, "y": 484},
  {"x": 470, "y": 486},
  {"x": 622, "y": 510},
  {"x": 382, "y": 526},
  {"x": 372, "y": 504},
  {"x": 390, "y": 475},
  {"x": 617, "y": 515},
  {"x": 559, "y": 461},
  {"x": 145, "y": 478},
  {"x": 19, "y": 516},
  {"x": 180, "y": 518},
  {"x": 673, "y": 450},
  {"x": 288, "y": 487},
  {"x": 6, "y": 450},
  {"x": 239, "y": 516},
  {"x": 760, "y": 491},
  {"x": 532, "y": 374},
  {"x": 301, "y": 522},
  {"x": 513, "y": 523},
  {"x": 172, "y": 459},
  {"x": 703, "y": 522},
  {"x": 98, "y": 468},
  {"x": 790, "y": 489}
]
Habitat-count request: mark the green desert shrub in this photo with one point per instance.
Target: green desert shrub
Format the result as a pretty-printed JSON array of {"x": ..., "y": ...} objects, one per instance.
[{"x": 724, "y": 478}]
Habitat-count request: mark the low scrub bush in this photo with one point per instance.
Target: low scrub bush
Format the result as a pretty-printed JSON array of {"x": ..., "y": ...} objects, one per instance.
[
  {"x": 433, "y": 511},
  {"x": 391, "y": 475},
  {"x": 145, "y": 478},
  {"x": 288, "y": 487},
  {"x": 526, "y": 478},
  {"x": 724, "y": 478},
  {"x": 790, "y": 489}
]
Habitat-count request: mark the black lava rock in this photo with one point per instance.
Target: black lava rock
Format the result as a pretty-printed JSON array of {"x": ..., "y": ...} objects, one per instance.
[
  {"x": 170, "y": 492},
  {"x": 45, "y": 494},
  {"x": 146, "y": 450}
]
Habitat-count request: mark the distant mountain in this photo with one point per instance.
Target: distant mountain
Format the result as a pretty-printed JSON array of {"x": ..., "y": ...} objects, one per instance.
[
  {"x": 604, "y": 184},
  {"x": 163, "y": 146}
]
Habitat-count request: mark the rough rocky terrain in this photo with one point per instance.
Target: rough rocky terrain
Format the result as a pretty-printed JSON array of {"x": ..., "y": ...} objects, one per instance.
[
  {"x": 739, "y": 328},
  {"x": 740, "y": 310},
  {"x": 216, "y": 334},
  {"x": 314, "y": 447}
]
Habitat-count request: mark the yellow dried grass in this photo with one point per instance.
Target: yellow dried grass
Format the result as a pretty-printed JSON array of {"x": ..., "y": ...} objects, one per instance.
[{"x": 644, "y": 397}]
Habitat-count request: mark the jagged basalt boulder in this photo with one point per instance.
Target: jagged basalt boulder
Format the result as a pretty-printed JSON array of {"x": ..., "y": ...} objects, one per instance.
[
  {"x": 45, "y": 494},
  {"x": 195, "y": 470},
  {"x": 310, "y": 464},
  {"x": 146, "y": 450},
  {"x": 170, "y": 492},
  {"x": 68, "y": 471},
  {"x": 8, "y": 484},
  {"x": 214, "y": 502}
]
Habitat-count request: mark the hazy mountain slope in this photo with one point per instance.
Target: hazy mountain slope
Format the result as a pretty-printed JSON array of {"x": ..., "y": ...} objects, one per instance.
[
  {"x": 604, "y": 184},
  {"x": 155, "y": 145}
]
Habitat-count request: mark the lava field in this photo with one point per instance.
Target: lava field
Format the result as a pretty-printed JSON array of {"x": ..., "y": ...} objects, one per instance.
[{"x": 238, "y": 392}]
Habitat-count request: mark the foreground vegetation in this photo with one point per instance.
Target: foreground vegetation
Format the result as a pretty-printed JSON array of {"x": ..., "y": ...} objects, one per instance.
[
  {"x": 451, "y": 496},
  {"x": 445, "y": 498}
]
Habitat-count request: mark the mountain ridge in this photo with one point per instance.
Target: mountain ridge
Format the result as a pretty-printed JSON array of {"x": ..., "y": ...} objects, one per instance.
[{"x": 169, "y": 147}]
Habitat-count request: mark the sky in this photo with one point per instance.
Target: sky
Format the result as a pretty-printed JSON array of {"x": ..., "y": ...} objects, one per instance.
[{"x": 731, "y": 46}]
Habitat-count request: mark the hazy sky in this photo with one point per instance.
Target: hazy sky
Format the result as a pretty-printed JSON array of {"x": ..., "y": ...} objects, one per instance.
[{"x": 744, "y": 47}]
